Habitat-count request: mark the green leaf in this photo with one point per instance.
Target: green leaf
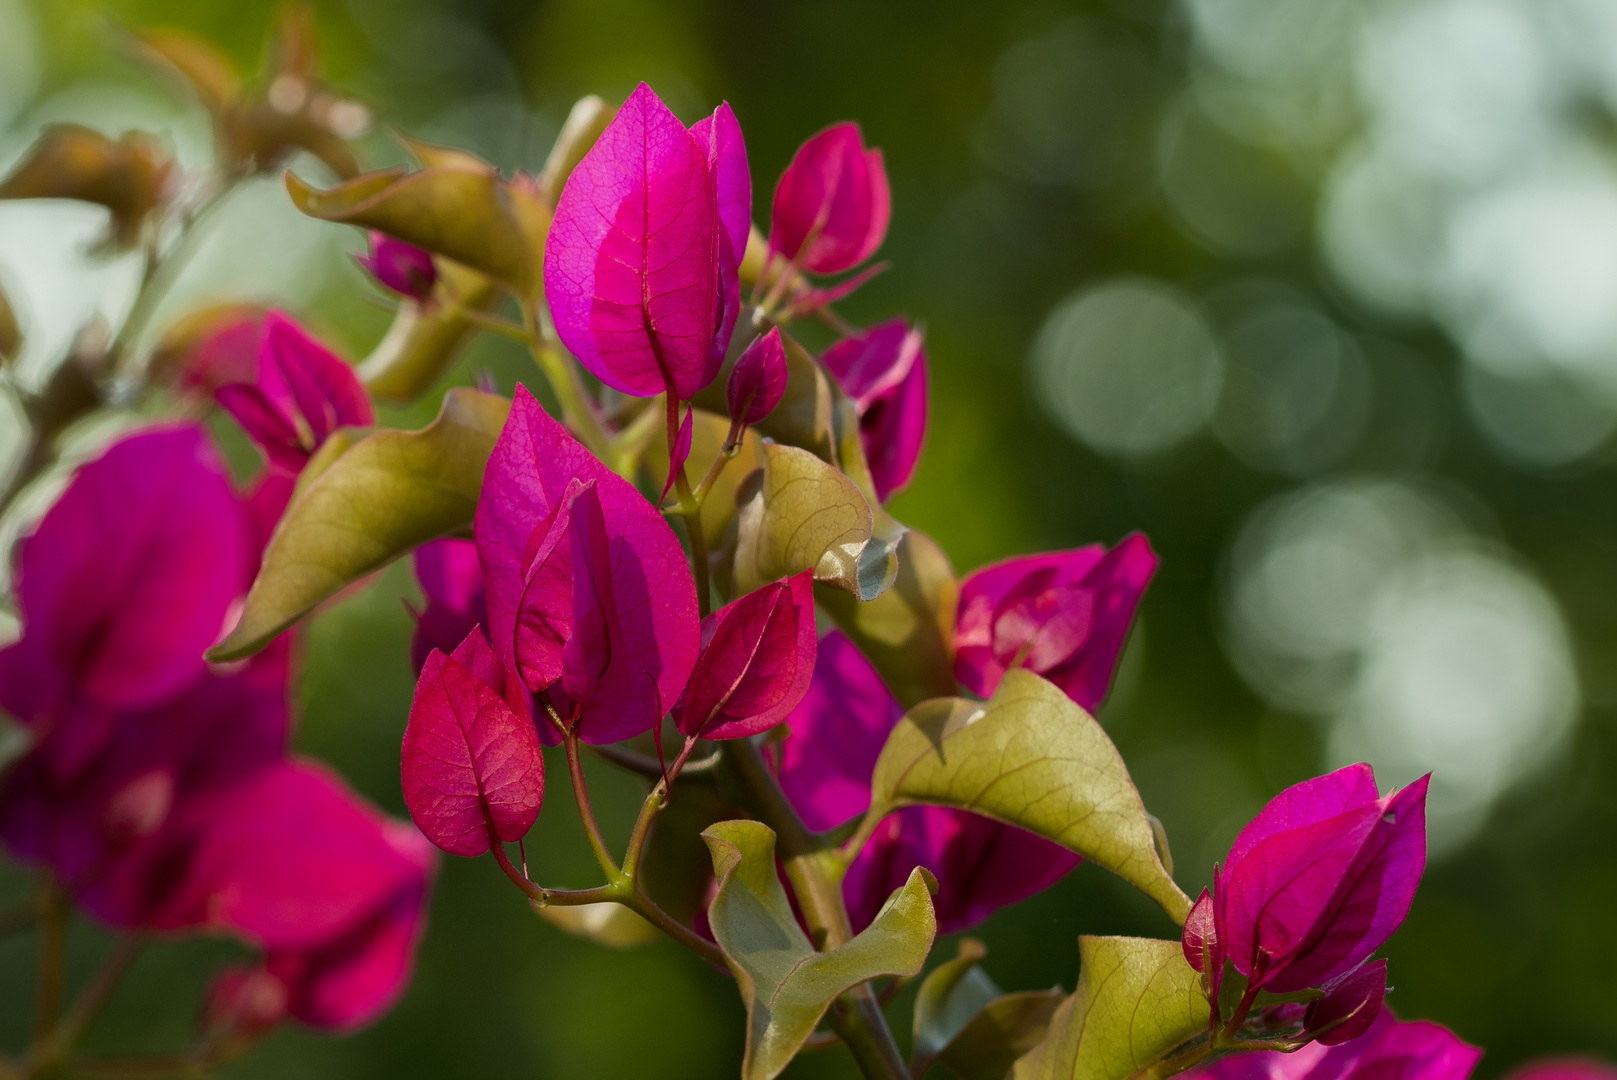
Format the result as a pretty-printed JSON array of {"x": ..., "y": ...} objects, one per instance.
[
  {"x": 10, "y": 332},
  {"x": 1006, "y": 1028},
  {"x": 475, "y": 218},
  {"x": 390, "y": 492},
  {"x": 423, "y": 340},
  {"x": 805, "y": 514},
  {"x": 608, "y": 923},
  {"x": 1032, "y": 758},
  {"x": 786, "y": 984},
  {"x": 907, "y": 631},
  {"x": 585, "y": 122},
  {"x": 1136, "y": 1001},
  {"x": 950, "y": 996}
]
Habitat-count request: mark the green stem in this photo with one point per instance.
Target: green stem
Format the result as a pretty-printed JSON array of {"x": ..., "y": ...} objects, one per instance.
[
  {"x": 53, "y": 912},
  {"x": 55, "y": 1046},
  {"x": 641, "y": 904},
  {"x": 592, "y": 830},
  {"x": 19, "y": 917},
  {"x": 645, "y": 765},
  {"x": 863, "y": 1027},
  {"x": 577, "y": 409}
]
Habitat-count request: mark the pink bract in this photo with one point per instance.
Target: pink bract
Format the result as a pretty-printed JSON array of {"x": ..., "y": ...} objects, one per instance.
[
  {"x": 641, "y": 261},
  {"x": 832, "y": 204},
  {"x": 1320, "y": 879},
  {"x": 884, "y": 371},
  {"x": 1390, "y": 1050},
  {"x": 451, "y": 579},
  {"x": 1064, "y": 615},
  {"x": 401, "y": 267},
  {"x": 472, "y": 770},
  {"x": 534, "y": 464},
  {"x": 1564, "y": 1068},
  {"x": 757, "y": 662},
  {"x": 758, "y": 381}
]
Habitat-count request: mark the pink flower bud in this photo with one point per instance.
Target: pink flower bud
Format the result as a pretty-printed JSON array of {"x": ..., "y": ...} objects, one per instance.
[
  {"x": 404, "y": 268},
  {"x": 1350, "y": 1005},
  {"x": 1064, "y": 615},
  {"x": 832, "y": 204},
  {"x": 245, "y": 1002},
  {"x": 1320, "y": 879},
  {"x": 756, "y": 664},
  {"x": 758, "y": 380},
  {"x": 1200, "y": 939},
  {"x": 884, "y": 371}
]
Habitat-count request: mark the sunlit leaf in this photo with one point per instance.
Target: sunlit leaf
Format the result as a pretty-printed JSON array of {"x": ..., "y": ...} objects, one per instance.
[
  {"x": 1005, "y": 1029},
  {"x": 1031, "y": 758},
  {"x": 424, "y": 340},
  {"x": 475, "y": 218},
  {"x": 389, "y": 493},
  {"x": 950, "y": 996},
  {"x": 1135, "y": 1002},
  {"x": 786, "y": 984},
  {"x": 907, "y": 631},
  {"x": 802, "y": 514},
  {"x": 609, "y": 924}
]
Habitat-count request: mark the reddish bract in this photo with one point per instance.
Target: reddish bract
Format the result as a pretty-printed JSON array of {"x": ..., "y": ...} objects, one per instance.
[
  {"x": 1064, "y": 615},
  {"x": 1389, "y": 1050},
  {"x": 472, "y": 770},
  {"x": 642, "y": 259},
  {"x": 404, "y": 268},
  {"x": 1350, "y": 1005},
  {"x": 884, "y": 371},
  {"x": 758, "y": 380},
  {"x": 832, "y": 204},
  {"x": 756, "y": 664},
  {"x": 300, "y": 393}
]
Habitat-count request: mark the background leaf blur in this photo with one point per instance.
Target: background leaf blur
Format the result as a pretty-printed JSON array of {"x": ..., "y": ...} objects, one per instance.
[{"x": 1316, "y": 293}]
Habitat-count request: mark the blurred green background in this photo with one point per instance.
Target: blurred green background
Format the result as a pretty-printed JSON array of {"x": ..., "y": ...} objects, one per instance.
[{"x": 1319, "y": 294}]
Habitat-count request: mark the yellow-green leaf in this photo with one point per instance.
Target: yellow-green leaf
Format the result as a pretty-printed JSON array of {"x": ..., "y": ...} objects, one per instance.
[
  {"x": 907, "y": 631},
  {"x": 1136, "y": 1001},
  {"x": 785, "y": 983},
  {"x": 10, "y": 332},
  {"x": 475, "y": 218},
  {"x": 608, "y": 923},
  {"x": 424, "y": 340},
  {"x": 390, "y": 492},
  {"x": 950, "y": 996},
  {"x": 804, "y": 514},
  {"x": 585, "y": 122},
  {"x": 1030, "y": 757},
  {"x": 1005, "y": 1029}
]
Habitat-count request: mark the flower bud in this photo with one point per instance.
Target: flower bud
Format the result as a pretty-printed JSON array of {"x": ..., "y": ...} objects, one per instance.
[
  {"x": 1349, "y": 1007},
  {"x": 832, "y": 204},
  {"x": 1320, "y": 879},
  {"x": 404, "y": 268},
  {"x": 1200, "y": 940},
  {"x": 244, "y": 1001},
  {"x": 758, "y": 380}
]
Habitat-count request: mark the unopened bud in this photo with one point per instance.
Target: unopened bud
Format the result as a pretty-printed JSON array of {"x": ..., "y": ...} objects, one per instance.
[{"x": 758, "y": 380}]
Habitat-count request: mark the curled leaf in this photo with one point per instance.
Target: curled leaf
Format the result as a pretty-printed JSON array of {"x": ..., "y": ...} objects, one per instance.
[
  {"x": 390, "y": 492},
  {"x": 474, "y": 217},
  {"x": 804, "y": 515},
  {"x": 953, "y": 993},
  {"x": 1031, "y": 758},
  {"x": 907, "y": 631},
  {"x": 1005, "y": 1029},
  {"x": 786, "y": 984},
  {"x": 425, "y": 338},
  {"x": 1135, "y": 1002}
]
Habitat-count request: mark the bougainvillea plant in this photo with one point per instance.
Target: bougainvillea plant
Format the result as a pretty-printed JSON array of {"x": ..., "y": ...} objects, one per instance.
[{"x": 684, "y": 568}]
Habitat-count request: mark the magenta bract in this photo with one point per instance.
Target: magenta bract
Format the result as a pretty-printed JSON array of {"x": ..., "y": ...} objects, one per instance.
[
  {"x": 472, "y": 770},
  {"x": 1350, "y": 1005},
  {"x": 1389, "y": 1050},
  {"x": 1320, "y": 879},
  {"x": 404, "y": 268},
  {"x": 884, "y": 371},
  {"x": 301, "y": 393},
  {"x": 1064, "y": 616},
  {"x": 641, "y": 262},
  {"x": 758, "y": 380},
  {"x": 832, "y": 203},
  {"x": 651, "y": 624},
  {"x": 826, "y": 760},
  {"x": 1203, "y": 951},
  {"x": 128, "y": 578},
  {"x": 1564, "y": 1068},
  {"x": 451, "y": 579},
  {"x": 757, "y": 662}
]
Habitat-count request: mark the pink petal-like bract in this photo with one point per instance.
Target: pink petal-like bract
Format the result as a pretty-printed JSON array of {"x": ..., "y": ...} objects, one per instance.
[
  {"x": 884, "y": 371},
  {"x": 127, "y": 579},
  {"x": 451, "y": 579},
  {"x": 1203, "y": 951},
  {"x": 472, "y": 769},
  {"x": 833, "y": 739},
  {"x": 635, "y": 262},
  {"x": 720, "y": 137},
  {"x": 832, "y": 203},
  {"x": 299, "y": 394},
  {"x": 534, "y": 466},
  {"x": 1350, "y": 1005},
  {"x": 401, "y": 267},
  {"x": 1321, "y": 878},
  {"x": 678, "y": 453},
  {"x": 1564, "y": 1068},
  {"x": 758, "y": 381},
  {"x": 756, "y": 663},
  {"x": 1064, "y": 615},
  {"x": 1389, "y": 1050}
]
